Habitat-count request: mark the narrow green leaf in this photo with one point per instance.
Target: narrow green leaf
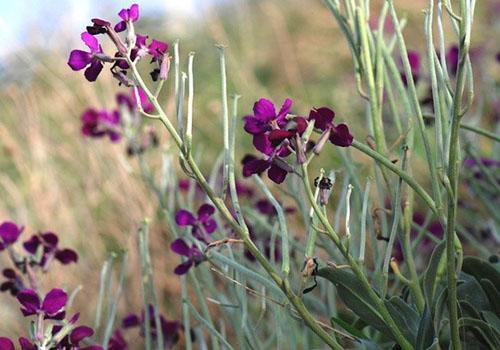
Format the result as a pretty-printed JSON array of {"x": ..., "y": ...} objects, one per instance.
[{"x": 430, "y": 274}]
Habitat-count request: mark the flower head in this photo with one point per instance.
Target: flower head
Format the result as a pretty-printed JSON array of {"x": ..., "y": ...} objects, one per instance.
[
  {"x": 48, "y": 242},
  {"x": 202, "y": 225},
  {"x": 323, "y": 120},
  {"x": 265, "y": 118},
  {"x": 101, "y": 123},
  {"x": 193, "y": 254},
  {"x": 277, "y": 168},
  {"x": 127, "y": 15},
  {"x": 9, "y": 233},
  {"x": 79, "y": 59},
  {"x": 52, "y": 306}
]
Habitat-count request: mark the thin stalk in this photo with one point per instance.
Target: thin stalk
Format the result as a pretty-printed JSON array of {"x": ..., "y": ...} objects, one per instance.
[
  {"x": 364, "y": 210},
  {"x": 453, "y": 173},
  {"x": 225, "y": 120}
]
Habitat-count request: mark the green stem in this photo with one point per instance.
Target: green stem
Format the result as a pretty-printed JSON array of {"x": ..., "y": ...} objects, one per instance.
[{"x": 405, "y": 176}]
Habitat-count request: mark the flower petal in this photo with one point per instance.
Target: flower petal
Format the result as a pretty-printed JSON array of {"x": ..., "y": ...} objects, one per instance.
[
  {"x": 262, "y": 143},
  {"x": 80, "y": 333},
  {"x": 120, "y": 26},
  {"x": 32, "y": 244},
  {"x": 79, "y": 59},
  {"x": 134, "y": 13},
  {"x": 210, "y": 225},
  {"x": 285, "y": 108},
  {"x": 66, "y": 256},
  {"x": 341, "y": 136},
  {"x": 205, "y": 211},
  {"x": 180, "y": 247},
  {"x": 264, "y": 110},
  {"x": 183, "y": 268},
  {"x": 91, "y": 42},
  {"x": 6, "y": 344},
  {"x": 255, "y": 166},
  {"x": 92, "y": 72},
  {"x": 29, "y": 300},
  {"x": 184, "y": 218},
  {"x": 9, "y": 232},
  {"x": 26, "y": 344},
  {"x": 276, "y": 174},
  {"x": 322, "y": 117},
  {"x": 54, "y": 301},
  {"x": 131, "y": 320},
  {"x": 254, "y": 125}
]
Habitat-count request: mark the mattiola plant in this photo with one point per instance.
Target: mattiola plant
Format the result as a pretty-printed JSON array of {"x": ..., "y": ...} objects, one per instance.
[{"x": 395, "y": 276}]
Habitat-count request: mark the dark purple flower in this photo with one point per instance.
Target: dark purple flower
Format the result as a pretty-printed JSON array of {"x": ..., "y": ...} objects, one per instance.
[
  {"x": 277, "y": 168},
  {"x": 131, "y": 320},
  {"x": 264, "y": 206},
  {"x": 6, "y": 344},
  {"x": 487, "y": 162},
  {"x": 265, "y": 118},
  {"x": 101, "y": 123},
  {"x": 26, "y": 344},
  {"x": 79, "y": 59},
  {"x": 14, "y": 282},
  {"x": 9, "y": 233},
  {"x": 170, "y": 329},
  {"x": 77, "y": 335},
  {"x": 243, "y": 190},
  {"x": 127, "y": 15},
  {"x": 452, "y": 59},
  {"x": 49, "y": 242},
  {"x": 193, "y": 254},
  {"x": 52, "y": 306},
  {"x": 323, "y": 120},
  {"x": 414, "y": 60},
  {"x": 117, "y": 341},
  {"x": 202, "y": 226}
]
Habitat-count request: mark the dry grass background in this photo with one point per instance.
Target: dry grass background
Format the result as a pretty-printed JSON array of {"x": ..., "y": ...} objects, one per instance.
[{"x": 90, "y": 193}]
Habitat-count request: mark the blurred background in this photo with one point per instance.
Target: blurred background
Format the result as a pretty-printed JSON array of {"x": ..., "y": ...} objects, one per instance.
[{"x": 88, "y": 191}]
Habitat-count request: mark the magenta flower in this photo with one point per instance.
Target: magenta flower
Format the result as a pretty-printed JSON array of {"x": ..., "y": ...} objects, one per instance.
[
  {"x": 156, "y": 48},
  {"x": 79, "y": 59},
  {"x": 294, "y": 127},
  {"x": 6, "y": 344},
  {"x": 127, "y": 15},
  {"x": 265, "y": 118},
  {"x": 323, "y": 120},
  {"x": 201, "y": 226},
  {"x": 117, "y": 341},
  {"x": 14, "y": 283},
  {"x": 52, "y": 306},
  {"x": 49, "y": 242},
  {"x": 9, "y": 233},
  {"x": 193, "y": 254},
  {"x": 452, "y": 59},
  {"x": 77, "y": 335},
  {"x": 277, "y": 168},
  {"x": 130, "y": 101},
  {"x": 101, "y": 123}
]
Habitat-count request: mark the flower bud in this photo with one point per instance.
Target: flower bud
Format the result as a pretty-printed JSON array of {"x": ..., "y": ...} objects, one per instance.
[{"x": 321, "y": 141}]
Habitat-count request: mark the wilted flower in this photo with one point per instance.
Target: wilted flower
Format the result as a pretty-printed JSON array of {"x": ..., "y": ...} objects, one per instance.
[
  {"x": 127, "y": 15},
  {"x": 79, "y": 59},
  {"x": 202, "y": 226},
  {"x": 14, "y": 283},
  {"x": 9, "y": 233},
  {"x": 193, "y": 254},
  {"x": 52, "y": 306},
  {"x": 49, "y": 242},
  {"x": 323, "y": 120},
  {"x": 101, "y": 123}
]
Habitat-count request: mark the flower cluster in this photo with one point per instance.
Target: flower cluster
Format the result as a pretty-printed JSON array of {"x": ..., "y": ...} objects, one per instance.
[
  {"x": 279, "y": 134},
  {"x": 170, "y": 330},
  {"x": 41, "y": 248},
  {"x": 95, "y": 58}
]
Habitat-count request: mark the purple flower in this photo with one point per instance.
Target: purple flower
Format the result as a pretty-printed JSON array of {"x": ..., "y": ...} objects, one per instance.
[
  {"x": 193, "y": 254},
  {"x": 49, "y": 242},
  {"x": 337, "y": 134},
  {"x": 277, "y": 168},
  {"x": 26, "y": 344},
  {"x": 52, "y": 306},
  {"x": 202, "y": 226},
  {"x": 452, "y": 59},
  {"x": 487, "y": 162},
  {"x": 101, "y": 123},
  {"x": 265, "y": 118},
  {"x": 264, "y": 206},
  {"x": 6, "y": 344},
  {"x": 130, "y": 101},
  {"x": 77, "y": 335},
  {"x": 157, "y": 49},
  {"x": 9, "y": 233},
  {"x": 79, "y": 59},
  {"x": 170, "y": 329},
  {"x": 117, "y": 341},
  {"x": 14, "y": 282},
  {"x": 127, "y": 15},
  {"x": 414, "y": 60}
]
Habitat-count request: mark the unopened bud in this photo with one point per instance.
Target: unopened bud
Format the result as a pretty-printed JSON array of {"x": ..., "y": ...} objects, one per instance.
[
  {"x": 164, "y": 67},
  {"x": 122, "y": 78},
  {"x": 322, "y": 141},
  {"x": 299, "y": 149}
]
